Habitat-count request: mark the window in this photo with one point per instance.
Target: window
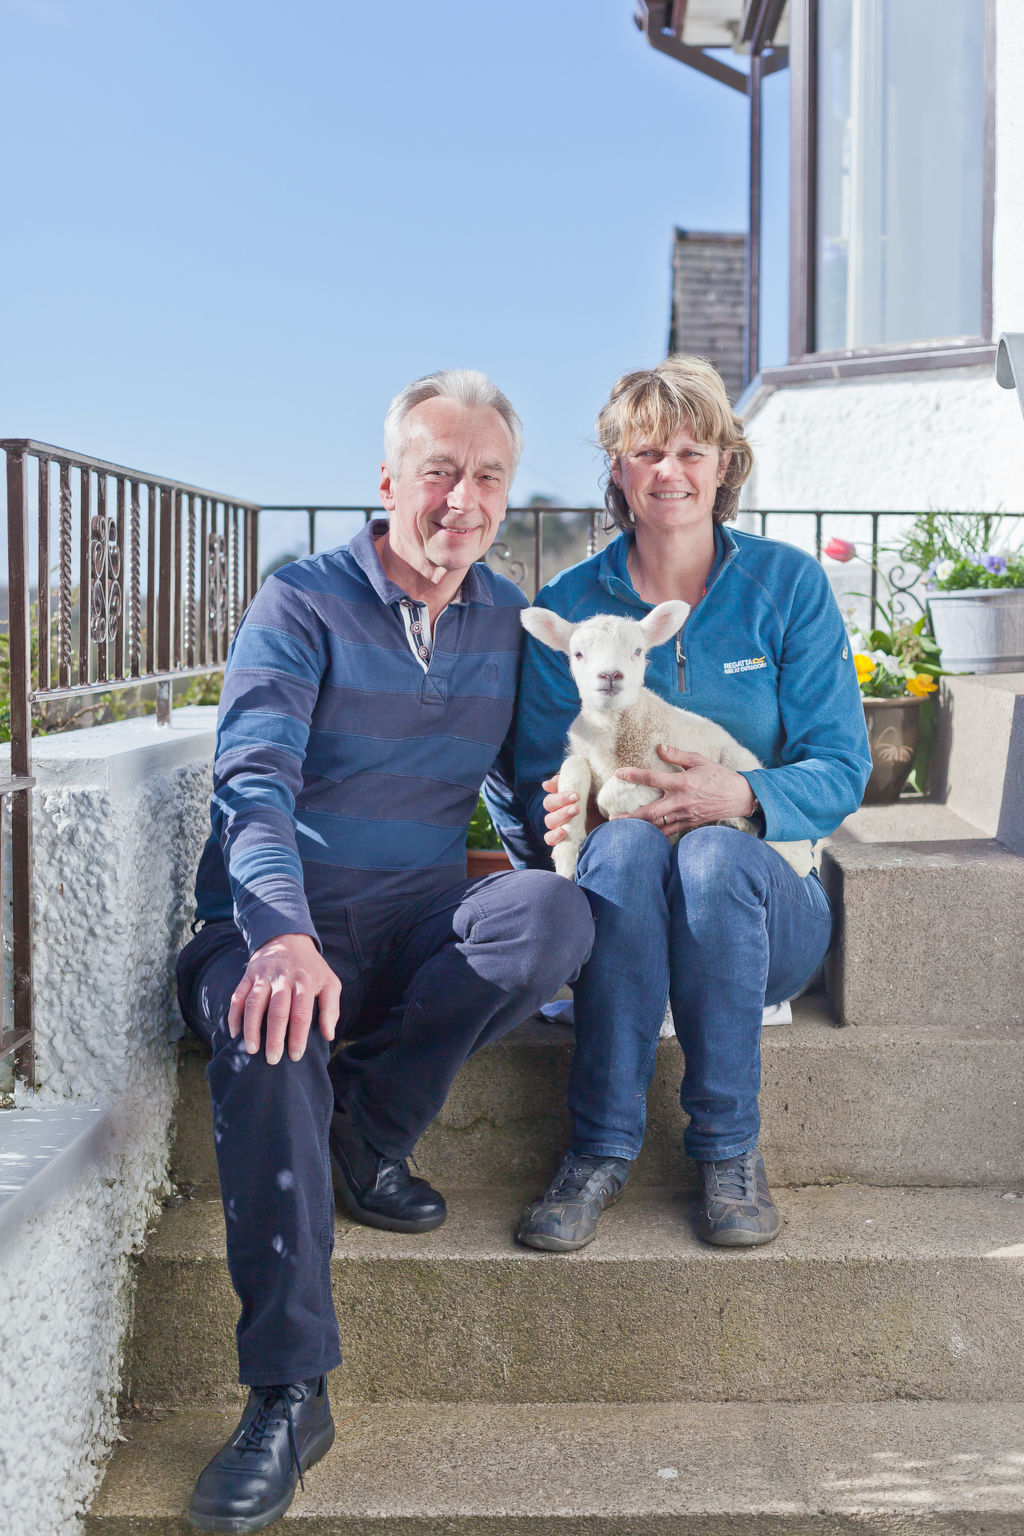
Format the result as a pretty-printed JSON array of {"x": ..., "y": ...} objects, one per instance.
[{"x": 899, "y": 198}]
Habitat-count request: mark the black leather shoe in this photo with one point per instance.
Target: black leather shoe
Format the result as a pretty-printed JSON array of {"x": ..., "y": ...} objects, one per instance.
[
  {"x": 565, "y": 1217},
  {"x": 251, "y": 1480},
  {"x": 376, "y": 1190}
]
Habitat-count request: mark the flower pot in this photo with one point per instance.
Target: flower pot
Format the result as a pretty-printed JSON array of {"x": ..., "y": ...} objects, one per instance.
[
  {"x": 980, "y": 630},
  {"x": 485, "y": 861},
  {"x": 893, "y": 727}
]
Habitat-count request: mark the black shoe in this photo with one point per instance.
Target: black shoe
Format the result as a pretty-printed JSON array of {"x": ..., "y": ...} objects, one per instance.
[
  {"x": 565, "y": 1216},
  {"x": 737, "y": 1210},
  {"x": 251, "y": 1480},
  {"x": 379, "y": 1191}
]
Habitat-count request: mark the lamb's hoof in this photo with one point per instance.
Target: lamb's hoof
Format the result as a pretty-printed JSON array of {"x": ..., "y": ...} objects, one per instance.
[{"x": 565, "y": 862}]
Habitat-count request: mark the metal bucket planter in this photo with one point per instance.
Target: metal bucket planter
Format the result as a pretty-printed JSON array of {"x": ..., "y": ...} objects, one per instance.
[
  {"x": 980, "y": 631},
  {"x": 893, "y": 729}
]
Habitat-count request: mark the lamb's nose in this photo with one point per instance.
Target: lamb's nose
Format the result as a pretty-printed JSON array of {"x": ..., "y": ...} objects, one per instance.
[{"x": 611, "y": 677}]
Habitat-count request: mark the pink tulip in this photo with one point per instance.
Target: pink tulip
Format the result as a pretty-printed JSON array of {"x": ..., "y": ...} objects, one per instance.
[{"x": 840, "y": 549}]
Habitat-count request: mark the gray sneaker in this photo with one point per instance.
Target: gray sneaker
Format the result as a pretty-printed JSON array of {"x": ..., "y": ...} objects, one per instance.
[
  {"x": 737, "y": 1210},
  {"x": 565, "y": 1216}
]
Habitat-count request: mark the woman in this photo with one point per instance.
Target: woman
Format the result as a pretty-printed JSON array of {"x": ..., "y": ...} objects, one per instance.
[{"x": 718, "y": 924}]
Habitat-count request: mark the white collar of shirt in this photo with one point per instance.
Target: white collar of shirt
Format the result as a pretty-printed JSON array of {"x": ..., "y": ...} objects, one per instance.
[{"x": 416, "y": 618}]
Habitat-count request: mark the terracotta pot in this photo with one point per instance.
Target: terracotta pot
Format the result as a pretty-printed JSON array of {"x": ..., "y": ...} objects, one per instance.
[
  {"x": 485, "y": 861},
  {"x": 980, "y": 631},
  {"x": 893, "y": 728}
]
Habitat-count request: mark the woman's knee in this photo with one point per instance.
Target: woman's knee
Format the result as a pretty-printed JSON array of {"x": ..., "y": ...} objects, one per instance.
[
  {"x": 717, "y": 858},
  {"x": 624, "y": 845}
]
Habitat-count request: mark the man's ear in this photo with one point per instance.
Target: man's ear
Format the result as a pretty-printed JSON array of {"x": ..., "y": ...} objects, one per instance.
[
  {"x": 663, "y": 621},
  {"x": 387, "y": 488},
  {"x": 547, "y": 627}
]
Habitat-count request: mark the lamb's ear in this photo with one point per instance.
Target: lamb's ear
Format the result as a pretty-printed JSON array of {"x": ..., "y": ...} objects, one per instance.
[
  {"x": 547, "y": 627},
  {"x": 664, "y": 621}
]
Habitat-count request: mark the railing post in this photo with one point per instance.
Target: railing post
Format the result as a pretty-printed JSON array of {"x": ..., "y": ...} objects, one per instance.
[{"x": 21, "y": 755}]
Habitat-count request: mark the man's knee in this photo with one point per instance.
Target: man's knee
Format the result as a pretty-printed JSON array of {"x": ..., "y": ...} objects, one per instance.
[{"x": 544, "y": 921}]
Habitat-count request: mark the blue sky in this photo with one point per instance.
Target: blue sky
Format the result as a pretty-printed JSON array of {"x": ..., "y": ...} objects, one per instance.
[{"x": 234, "y": 230}]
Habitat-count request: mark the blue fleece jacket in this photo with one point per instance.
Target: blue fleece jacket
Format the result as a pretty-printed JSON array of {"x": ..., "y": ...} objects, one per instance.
[{"x": 764, "y": 653}]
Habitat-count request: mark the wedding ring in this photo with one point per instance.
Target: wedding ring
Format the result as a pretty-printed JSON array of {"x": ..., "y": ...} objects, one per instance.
[{"x": 664, "y": 821}]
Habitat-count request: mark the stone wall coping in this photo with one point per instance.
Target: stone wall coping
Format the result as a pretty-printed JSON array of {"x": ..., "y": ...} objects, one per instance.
[
  {"x": 123, "y": 753},
  {"x": 44, "y": 1150}
]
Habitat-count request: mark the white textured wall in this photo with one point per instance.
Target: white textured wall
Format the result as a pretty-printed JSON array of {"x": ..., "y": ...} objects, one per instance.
[
  {"x": 950, "y": 441},
  {"x": 911, "y": 442},
  {"x": 120, "y": 815}
]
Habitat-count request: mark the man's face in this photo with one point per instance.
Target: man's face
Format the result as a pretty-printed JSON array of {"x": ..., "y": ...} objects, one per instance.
[{"x": 451, "y": 489}]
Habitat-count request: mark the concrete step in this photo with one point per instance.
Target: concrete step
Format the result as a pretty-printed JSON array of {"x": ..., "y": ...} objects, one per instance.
[
  {"x": 866, "y": 1294},
  {"x": 930, "y": 930},
  {"x": 875, "y": 1105},
  {"x": 978, "y": 762},
  {"x": 617, "y": 1469}
]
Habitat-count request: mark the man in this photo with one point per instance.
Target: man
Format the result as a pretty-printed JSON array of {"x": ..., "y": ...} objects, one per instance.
[{"x": 368, "y": 693}]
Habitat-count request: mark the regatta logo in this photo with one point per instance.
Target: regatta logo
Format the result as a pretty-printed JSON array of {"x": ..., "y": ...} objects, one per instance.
[{"x": 748, "y": 664}]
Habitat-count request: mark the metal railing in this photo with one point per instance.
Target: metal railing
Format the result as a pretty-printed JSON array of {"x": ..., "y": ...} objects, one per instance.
[
  {"x": 519, "y": 552},
  {"x": 523, "y": 554},
  {"x": 138, "y": 580}
]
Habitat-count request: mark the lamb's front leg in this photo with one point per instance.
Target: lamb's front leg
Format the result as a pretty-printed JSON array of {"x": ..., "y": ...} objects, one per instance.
[
  {"x": 573, "y": 778},
  {"x": 618, "y": 797}
]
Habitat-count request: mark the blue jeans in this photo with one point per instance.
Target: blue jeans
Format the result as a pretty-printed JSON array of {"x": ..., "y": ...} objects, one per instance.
[{"x": 719, "y": 925}]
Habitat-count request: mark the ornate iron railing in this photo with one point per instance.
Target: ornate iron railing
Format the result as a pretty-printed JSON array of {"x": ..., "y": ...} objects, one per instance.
[{"x": 117, "y": 579}]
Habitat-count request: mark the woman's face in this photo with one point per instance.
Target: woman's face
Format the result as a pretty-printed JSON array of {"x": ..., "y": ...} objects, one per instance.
[{"x": 673, "y": 485}]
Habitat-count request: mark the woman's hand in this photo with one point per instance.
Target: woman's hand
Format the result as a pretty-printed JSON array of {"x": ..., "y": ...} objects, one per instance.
[
  {"x": 559, "y": 809},
  {"x": 704, "y": 793}
]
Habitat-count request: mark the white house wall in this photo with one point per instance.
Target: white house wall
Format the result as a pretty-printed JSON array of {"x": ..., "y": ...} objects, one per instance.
[
  {"x": 906, "y": 443},
  {"x": 912, "y": 442}
]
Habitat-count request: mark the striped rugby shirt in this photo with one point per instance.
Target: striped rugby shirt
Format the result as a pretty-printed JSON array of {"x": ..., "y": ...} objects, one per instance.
[{"x": 344, "y": 769}]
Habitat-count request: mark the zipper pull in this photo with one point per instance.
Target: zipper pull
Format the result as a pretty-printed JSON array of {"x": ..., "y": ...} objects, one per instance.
[{"x": 680, "y": 665}]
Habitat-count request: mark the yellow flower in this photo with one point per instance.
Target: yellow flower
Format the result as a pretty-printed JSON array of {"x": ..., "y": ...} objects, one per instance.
[
  {"x": 865, "y": 666},
  {"x": 921, "y": 685}
]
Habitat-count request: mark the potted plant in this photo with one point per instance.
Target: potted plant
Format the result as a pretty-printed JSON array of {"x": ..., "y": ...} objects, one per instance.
[
  {"x": 897, "y": 664},
  {"x": 484, "y": 853},
  {"x": 975, "y": 590}
]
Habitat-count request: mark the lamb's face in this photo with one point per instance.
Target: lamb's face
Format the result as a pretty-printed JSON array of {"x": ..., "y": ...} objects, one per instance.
[
  {"x": 608, "y": 657},
  {"x": 607, "y": 654}
]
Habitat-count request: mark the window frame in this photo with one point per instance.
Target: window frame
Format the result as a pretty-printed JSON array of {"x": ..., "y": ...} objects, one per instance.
[{"x": 805, "y": 364}]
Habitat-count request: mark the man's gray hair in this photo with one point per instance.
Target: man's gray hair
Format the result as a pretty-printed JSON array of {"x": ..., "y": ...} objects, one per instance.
[{"x": 466, "y": 386}]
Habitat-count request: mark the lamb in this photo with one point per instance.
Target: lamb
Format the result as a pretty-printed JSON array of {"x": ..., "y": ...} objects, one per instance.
[{"x": 622, "y": 723}]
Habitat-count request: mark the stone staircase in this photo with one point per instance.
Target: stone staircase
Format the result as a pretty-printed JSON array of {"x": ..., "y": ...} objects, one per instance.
[{"x": 862, "y": 1373}]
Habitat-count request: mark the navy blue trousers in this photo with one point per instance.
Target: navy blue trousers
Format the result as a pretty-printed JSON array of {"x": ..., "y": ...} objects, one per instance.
[{"x": 424, "y": 985}]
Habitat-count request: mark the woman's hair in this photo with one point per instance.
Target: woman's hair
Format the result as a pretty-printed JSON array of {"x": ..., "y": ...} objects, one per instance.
[
  {"x": 466, "y": 386},
  {"x": 652, "y": 404}
]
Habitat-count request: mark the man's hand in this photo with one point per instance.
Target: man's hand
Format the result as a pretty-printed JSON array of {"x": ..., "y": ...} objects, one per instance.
[
  {"x": 560, "y": 808},
  {"x": 283, "y": 980},
  {"x": 706, "y": 792}
]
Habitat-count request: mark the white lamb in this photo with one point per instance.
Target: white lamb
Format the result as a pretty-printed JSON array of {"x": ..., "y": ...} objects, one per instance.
[{"x": 622, "y": 723}]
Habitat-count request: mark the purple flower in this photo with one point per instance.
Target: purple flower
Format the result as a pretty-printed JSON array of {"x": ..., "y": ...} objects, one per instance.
[{"x": 996, "y": 564}]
